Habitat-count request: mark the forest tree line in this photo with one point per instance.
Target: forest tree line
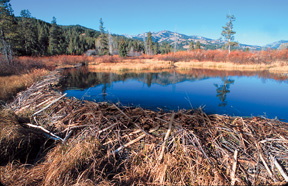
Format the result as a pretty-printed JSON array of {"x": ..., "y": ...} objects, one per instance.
[{"x": 28, "y": 36}]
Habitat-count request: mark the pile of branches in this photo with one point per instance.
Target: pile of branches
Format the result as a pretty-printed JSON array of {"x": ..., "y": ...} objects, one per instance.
[{"x": 108, "y": 144}]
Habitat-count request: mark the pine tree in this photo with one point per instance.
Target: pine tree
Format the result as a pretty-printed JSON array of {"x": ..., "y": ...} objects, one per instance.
[
  {"x": 43, "y": 38},
  {"x": 228, "y": 32},
  {"x": 53, "y": 38},
  {"x": 149, "y": 43},
  {"x": 165, "y": 47},
  {"x": 8, "y": 30},
  {"x": 103, "y": 40},
  {"x": 191, "y": 45},
  {"x": 29, "y": 33},
  {"x": 122, "y": 48},
  {"x": 198, "y": 45},
  {"x": 56, "y": 39},
  {"x": 156, "y": 48}
]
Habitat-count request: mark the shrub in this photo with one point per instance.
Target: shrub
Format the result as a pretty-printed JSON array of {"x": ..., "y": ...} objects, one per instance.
[{"x": 237, "y": 56}]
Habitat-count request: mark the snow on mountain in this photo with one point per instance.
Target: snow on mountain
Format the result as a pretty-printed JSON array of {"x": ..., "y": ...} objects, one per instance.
[
  {"x": 183, "y": 40},
  {"x": 276, "y": 44}
]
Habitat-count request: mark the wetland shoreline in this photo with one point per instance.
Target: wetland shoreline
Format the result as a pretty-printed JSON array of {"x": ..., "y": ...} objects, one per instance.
[{"x": 154, "y": 65}]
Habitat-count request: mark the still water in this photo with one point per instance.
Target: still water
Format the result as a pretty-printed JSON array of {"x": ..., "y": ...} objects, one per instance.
[{"x": 217, "y": 92}]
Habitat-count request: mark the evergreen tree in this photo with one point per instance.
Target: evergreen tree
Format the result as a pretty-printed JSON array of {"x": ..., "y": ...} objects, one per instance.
[
  {"x": 28, "y": 31},
  {"x": 43, "y": 38},
  {"x": 191, "y": 45},
  {"x": 228, "y": 32},
  {"x": 122, "y": 48},
  {"x": 53, "y": 38},
  {"x": 156, "y": 49},
  {"x": 165, "y": 47},
  {"x": 149, "y": 43},
  {"x": 198, "y": 45},
  {"x": 56, "y": 39},
  {"x": 8, "y": 30},
  {"x": 130, "y": 46},
  {"x": 70, "y": 49},
  {"x": 135, "y": 46},
  {"x": 103, "y": 40}
]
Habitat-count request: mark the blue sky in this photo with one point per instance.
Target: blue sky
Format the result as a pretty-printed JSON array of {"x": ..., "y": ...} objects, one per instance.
[{"x": 258, "y": 22}]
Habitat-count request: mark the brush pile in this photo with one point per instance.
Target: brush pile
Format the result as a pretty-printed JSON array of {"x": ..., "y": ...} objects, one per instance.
[{"x": 107, "y": 144}]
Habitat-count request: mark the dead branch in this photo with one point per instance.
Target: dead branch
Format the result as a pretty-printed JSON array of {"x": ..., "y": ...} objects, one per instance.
[
  {"x": 233, "y": 173},
  {"x": 49, "y": 104},
  {"x": 44, "y": 131},
  {"x": 278, "y": 166},
  {"x": 166, "y": 138},
  {"x": 133, "y": 141}
]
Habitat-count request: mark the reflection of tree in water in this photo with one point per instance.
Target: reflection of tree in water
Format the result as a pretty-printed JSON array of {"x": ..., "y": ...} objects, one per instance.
[
  {"x": 104, "y": 90},
  {"x": 149, "y": 79},
  {"x": 222, "y": 90}
]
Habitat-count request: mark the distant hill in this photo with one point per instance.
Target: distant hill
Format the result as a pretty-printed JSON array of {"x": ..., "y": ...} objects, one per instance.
[
  {"x": 182, "y": 39},
  {"x": 276, "y": 44},
  {"x": 206, "y": 43}
]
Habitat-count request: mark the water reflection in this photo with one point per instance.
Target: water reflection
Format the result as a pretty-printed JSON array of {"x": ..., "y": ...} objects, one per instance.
[
  {"x": 237, "y": 92},
  {"x": 223, "y": 90},
  {"x": 82, "y": 78}
]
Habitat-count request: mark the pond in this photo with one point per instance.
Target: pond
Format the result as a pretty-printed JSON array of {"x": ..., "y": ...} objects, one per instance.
[{"x": 233, "y": 93}]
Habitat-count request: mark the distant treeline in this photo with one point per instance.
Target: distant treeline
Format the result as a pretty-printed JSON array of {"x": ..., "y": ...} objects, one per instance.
[
  {"x": 36, "y": 37},
  {"x": 28, "y": 36}
]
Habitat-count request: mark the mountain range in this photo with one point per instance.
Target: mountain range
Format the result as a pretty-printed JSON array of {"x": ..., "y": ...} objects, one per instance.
[{"x": 183, "y": 41}]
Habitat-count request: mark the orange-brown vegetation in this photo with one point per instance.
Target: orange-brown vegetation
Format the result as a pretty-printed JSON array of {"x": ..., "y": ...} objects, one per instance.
[
  {"x": 10, "y": 85},
  {"x": 238, "y": 56},
  {"x": 223, "y": 73},
  {"x": 52, "y": 62},
  {"x": 24, "y": 71},
  {"x": 131, "y": 65},
  {"x": 102, "y": 144},
  {"x": 272, "y": 60},
  {"x": 118, "y": 59},
  {"x": 25, "y": 64}
]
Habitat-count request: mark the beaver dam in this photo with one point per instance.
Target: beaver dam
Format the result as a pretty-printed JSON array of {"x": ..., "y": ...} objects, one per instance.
[{"x": 49, "y": 139}]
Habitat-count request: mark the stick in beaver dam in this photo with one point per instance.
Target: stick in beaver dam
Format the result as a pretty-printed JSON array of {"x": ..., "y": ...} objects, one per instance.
[
  {"x": 133, "y": 122},
  {"x": 166, "y": 137},
  {"x": 50, "y": 104},
  {"x": 282, "y": 172},
  {"x": 233, "y": 180},
  {"x": 134, "y": 141},
  {"x": 46, "y": 132}
]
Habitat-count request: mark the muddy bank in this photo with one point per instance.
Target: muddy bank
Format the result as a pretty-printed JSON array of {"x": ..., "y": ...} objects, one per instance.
[{"x": 90, "y": 143}]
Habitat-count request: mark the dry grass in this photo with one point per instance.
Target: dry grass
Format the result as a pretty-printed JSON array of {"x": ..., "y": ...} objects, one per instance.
[
  {"x": 204, "y": 72},
  {"x": 16, "y": 142},
  {"x": 11, "y": 85},
  {"x": 238, "y": 56},
  {"x": 274, "y": 61},
  {"x": 221, "y": 66},
  {"x": 52, "y": 62},
  {"x": 24, "y": 71},
  {"x": 103, "y": 144},
  {"x": 153, "y": 65},
  {"x": 131, "y": 64}
]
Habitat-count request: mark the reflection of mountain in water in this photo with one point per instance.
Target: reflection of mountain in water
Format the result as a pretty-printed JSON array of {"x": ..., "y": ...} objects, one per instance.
[
  {"x": 166, "y": 78},
  {"x": 82, "y": 78}
]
